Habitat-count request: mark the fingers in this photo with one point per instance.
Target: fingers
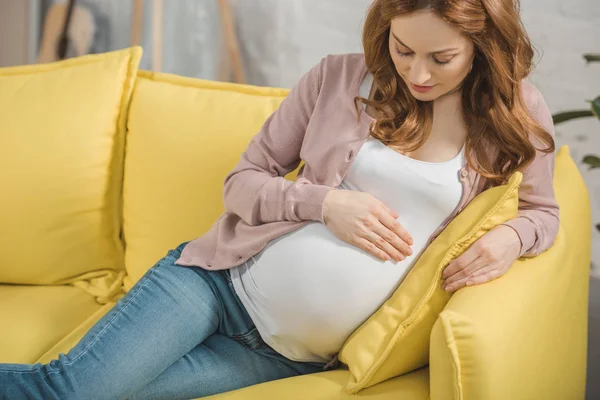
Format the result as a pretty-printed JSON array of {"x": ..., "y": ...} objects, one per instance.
[
  {"x": 389, "y": 221},
  {"x": 460, "y": 263},
  {"x": 389, "y": 210},
  {"x": 484, "y": 275},
  {"x": 464, "y": 270},
  {"x": 370, "y": 248},
  {"x": 400, "y": 248},
  {"x": 384, "y": 245},
  {"x": 382, "y": 235},
  {"x": 460, "y": 279}
]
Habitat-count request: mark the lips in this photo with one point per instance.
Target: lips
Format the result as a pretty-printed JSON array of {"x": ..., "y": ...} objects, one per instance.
[{"x": 421, "y": 89}]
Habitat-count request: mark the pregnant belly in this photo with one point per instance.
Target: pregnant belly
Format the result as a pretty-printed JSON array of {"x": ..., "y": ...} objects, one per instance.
[{"x": 311, "y": 283}]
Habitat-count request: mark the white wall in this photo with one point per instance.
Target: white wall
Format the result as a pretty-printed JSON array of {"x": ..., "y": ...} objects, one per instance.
[{"x": 563, "y": 31}]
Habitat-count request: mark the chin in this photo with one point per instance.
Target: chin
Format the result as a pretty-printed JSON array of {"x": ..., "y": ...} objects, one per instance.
[{"x": 429, "y": 96}]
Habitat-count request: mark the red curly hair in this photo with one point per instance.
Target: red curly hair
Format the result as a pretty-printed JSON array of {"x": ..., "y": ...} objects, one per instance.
[{"x": 493, "y": 106}]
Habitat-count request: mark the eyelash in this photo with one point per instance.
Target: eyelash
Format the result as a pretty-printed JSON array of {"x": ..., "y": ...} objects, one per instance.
[{"x": 442, "y": 63}]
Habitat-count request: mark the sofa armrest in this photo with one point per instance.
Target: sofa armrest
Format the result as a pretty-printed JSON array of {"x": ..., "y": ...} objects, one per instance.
[{"x": 523, "y": 336}]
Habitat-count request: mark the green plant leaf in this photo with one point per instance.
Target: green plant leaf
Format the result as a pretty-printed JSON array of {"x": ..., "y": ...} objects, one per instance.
[
  {"x": 569, "y": 115},
  {"x": 596, "y": 106},
  {"x": 591, "y": 57},
  {"x": 592, "y": 161}
]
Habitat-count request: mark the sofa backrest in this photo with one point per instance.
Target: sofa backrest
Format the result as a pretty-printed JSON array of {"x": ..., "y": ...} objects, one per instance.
[{"x": 184, "y": 136}]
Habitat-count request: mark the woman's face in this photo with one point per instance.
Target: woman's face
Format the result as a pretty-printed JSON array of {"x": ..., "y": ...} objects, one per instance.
[{"x": 430, "y": 55}]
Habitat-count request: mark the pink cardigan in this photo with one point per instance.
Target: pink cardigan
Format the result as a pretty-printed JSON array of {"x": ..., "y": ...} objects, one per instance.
[{"x": 317, "y": 123}]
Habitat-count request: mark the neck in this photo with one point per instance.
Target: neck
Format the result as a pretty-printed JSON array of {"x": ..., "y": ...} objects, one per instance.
[
  {"x": 450, "y": 101},
  {"x": 448, "y": 115}
]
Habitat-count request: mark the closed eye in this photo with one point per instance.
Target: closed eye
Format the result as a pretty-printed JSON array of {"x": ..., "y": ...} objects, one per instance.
[
  {"x": 435, "y": 59},
  {"x": 444, "y": 62},
  {"x": 404, "y": 54}
]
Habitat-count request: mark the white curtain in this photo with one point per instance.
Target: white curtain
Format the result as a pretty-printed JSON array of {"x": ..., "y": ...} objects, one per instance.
[{"x": 279, "y": 39}]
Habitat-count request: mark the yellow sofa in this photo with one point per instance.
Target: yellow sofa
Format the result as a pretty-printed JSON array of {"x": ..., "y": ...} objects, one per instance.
[{"x": 520, "y": 337}]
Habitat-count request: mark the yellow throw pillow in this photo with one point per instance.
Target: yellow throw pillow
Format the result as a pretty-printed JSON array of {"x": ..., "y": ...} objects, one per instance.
[
  {"x": 395, "y": 339},
  {"x": 61, "y": 150}
]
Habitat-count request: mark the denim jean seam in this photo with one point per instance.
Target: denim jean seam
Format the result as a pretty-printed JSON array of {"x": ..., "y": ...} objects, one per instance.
[
  {"x": 251, "y": 339},
  {"x": 84, "y": 351},
  {"x": 244, "y": 336},
  {"x": 228, "y": 278}
]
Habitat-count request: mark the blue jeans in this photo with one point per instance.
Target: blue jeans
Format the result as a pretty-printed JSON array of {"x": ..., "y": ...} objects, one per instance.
[{"x": 179, "y": 333}]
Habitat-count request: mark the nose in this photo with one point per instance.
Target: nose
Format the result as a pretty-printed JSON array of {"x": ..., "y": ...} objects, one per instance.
[{"x": 419, "y": 73}]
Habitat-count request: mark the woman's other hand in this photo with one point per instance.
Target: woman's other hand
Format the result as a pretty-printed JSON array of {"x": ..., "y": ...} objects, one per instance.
[
  {"x": 490, "y": 257},
  {"x": 360, "y": 219}
]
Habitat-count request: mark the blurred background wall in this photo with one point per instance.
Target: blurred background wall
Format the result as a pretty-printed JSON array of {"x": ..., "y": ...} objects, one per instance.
[
  {"x": 281, "y": 39},
  {"x": 19, "y": 31}
]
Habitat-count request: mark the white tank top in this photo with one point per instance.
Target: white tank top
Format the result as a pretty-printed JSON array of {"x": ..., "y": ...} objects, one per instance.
[{"x": 307, "y": 291}]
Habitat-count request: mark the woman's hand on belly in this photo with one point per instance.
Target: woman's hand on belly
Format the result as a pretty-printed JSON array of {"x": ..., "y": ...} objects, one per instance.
[{"x": 361, "y": 220}]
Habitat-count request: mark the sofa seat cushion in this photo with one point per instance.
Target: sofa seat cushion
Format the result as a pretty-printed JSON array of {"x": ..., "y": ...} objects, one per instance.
[
  {"x": 35, "y": 318},
  {"x": 331, "y": 385}
]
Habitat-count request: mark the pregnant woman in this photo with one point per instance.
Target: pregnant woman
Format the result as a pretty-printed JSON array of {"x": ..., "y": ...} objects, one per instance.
[{"x": 395, "y": 143}]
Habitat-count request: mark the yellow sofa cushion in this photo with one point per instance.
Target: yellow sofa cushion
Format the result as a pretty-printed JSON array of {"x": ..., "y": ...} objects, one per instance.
[
  {"x": 61, "y": 146},
  {"x": 532, "y": 343},
  {"x": 395, "y": 340},
  {"x": 35, "y": 318},
  {"x": 184, "y": 136},
  {"x": 330, "y": 386}
]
